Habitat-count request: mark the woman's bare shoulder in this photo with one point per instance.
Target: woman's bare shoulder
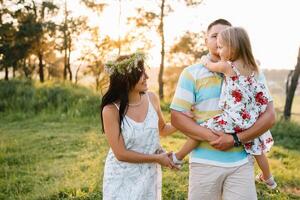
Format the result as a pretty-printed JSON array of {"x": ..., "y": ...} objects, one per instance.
[
  {"x": 110, "y": 110},
  {"x": 153, "y": 98}
]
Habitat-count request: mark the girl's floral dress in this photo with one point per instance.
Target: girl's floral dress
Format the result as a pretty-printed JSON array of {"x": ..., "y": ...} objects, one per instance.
[{"x": 243, "y": 100}]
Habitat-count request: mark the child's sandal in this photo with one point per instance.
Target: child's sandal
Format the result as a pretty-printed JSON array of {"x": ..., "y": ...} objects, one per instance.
[
  {"x": 176, "y": 161},
  {"x": 271, "y": 183}
]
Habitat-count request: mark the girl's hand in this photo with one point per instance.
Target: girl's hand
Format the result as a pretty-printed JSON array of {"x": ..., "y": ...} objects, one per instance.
[{"x": 204, "y": 60}]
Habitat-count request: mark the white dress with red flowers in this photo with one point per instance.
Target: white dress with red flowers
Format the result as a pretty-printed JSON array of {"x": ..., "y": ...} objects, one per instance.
[{"x": 243, "y": 100}]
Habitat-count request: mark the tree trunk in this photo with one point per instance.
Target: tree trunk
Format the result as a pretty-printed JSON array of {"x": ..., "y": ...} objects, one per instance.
[
  {"x": 24, "y": 67},
  {"x": 65, "y": 47},
  {"x": 288, "y": 82},
  {"x": 119, "y": 27},
  {"x": 161, "y": 68},
  {"x": 65, "y": 63},
  {"x": 14, "y": 70},
  {"x": 6, "y": 73},
  {"x": 68, "y": 60},
  {"x": 41, "y": 66},
  {"x": 97, "y": 83},
  {"x": 76, "y": 75},
  {"x": 291, "y": 90}
]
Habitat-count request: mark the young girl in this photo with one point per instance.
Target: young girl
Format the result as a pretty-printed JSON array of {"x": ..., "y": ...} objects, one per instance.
[
  {"x": 243, "y": 99},
  {"x": 132, "y": 121}
]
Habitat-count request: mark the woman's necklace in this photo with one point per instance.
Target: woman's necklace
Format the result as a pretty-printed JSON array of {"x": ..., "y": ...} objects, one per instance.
[{"x": 136, "y": 104}]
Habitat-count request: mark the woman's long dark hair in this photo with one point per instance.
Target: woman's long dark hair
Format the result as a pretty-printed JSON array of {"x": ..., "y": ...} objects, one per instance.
[{"x": 119, "y": 87}]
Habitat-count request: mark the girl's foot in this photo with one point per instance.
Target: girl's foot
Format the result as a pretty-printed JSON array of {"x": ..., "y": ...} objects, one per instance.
[
  {"x": 271, "y": 183},
  {"x": 176, "y": 161}
]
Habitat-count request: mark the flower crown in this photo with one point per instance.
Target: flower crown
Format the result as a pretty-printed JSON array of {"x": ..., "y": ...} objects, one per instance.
[{"x": 125, "y": 66}]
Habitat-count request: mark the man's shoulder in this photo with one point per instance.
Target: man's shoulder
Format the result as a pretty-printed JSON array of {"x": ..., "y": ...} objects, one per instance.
[
  {"x": 199, "y": 72},
  {"x": 194, "y": 67},
  {"x": 196, "y": 70}
]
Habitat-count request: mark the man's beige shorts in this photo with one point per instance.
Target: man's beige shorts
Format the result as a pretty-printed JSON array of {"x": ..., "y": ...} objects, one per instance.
[{"x": 207, "y": 182}]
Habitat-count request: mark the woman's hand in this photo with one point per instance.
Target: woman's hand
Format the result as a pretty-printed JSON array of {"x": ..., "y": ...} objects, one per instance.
[{"x": 164, "y": 160}]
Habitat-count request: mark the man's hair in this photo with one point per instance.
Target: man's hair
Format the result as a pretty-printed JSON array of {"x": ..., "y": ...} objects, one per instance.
[{"x": 218, "y": 21}]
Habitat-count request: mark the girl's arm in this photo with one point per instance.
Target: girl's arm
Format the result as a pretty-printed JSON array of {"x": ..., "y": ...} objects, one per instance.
[
  {"x": 221, "y": 66},
  {"x": 164, "y": 128},
  {"x": 116, "y": 141}
]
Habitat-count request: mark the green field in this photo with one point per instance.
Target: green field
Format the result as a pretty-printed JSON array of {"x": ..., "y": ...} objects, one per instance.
[{"x": 51, "y": 147}]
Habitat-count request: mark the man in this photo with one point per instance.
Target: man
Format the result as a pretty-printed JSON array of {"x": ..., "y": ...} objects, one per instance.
[{"x": 215, "y": 173}]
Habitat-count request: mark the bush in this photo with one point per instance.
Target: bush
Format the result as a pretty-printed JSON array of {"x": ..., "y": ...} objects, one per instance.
[{"x": 30, "y": 99}]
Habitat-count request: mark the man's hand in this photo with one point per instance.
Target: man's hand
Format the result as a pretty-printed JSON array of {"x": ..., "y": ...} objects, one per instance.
[
  {"x": 213, "y": 136},
  {"x": 224, "y": 142}
]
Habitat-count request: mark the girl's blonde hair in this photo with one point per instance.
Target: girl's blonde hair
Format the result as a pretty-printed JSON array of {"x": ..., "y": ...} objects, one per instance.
[{"x": 238, "y": 43}]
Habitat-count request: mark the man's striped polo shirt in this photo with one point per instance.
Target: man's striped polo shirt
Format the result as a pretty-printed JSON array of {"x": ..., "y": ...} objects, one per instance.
[{"x": 199, "y": 87}]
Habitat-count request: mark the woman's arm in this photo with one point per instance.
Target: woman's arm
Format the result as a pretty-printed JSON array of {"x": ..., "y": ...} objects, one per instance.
[
  {"x": 116, "y": 141},
  {"x": 165, "y": 129}
]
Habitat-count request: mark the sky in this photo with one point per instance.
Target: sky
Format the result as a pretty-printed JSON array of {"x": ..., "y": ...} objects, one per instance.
[{"x": 273, "y": 25}]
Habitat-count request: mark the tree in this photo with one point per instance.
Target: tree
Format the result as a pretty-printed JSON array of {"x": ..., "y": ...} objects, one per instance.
[
  {"x": 46, "y": 29},
  {"x": 119, "y": 26},
  {"x": 123, "y": 43},
  {"x": 70, "y": 28},
  {"x": 7, "y": 38},
  {"x": 95, "y": 58},
  {"x": 103, "y": 46},
  {"x": 25, "y": 40},
  {"x": 188, "y": 49},
  {"x": 95, "y": 6},
  {"x": 15, "y": 43},
  {"x": 291, "y": 88},
  {"x": 162, "y": 35},
  {"x": 7, "y": 32},
  {"x": 149, "y": 18}
]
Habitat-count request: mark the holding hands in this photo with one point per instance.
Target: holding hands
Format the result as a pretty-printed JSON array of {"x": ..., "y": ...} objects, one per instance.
[{"x": 165, "y": 159}]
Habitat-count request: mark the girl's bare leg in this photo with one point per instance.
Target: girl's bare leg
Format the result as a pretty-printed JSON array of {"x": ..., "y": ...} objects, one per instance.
[{"x": 263, "y": 164}]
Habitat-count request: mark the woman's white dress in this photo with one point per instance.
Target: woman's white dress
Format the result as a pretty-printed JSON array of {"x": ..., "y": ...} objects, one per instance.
[{"x": 134, "y": 181}]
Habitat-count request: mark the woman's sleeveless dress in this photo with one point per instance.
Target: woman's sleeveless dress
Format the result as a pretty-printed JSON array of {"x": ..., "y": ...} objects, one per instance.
[{"x": 135, "y": 181}]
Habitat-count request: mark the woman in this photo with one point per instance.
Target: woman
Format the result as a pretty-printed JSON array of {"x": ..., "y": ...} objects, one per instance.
[{"x": 132, "y": 122}]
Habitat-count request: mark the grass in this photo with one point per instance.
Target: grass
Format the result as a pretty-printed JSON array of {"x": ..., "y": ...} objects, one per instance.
[
  {"x": 56, "y": 154},
  {"x": 46, "y": 158}
]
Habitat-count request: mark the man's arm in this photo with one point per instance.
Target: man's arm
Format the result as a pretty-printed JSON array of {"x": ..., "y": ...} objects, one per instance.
[
  {"x": 264, "y": 123},
  {"x": 190, "y": 128}
]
